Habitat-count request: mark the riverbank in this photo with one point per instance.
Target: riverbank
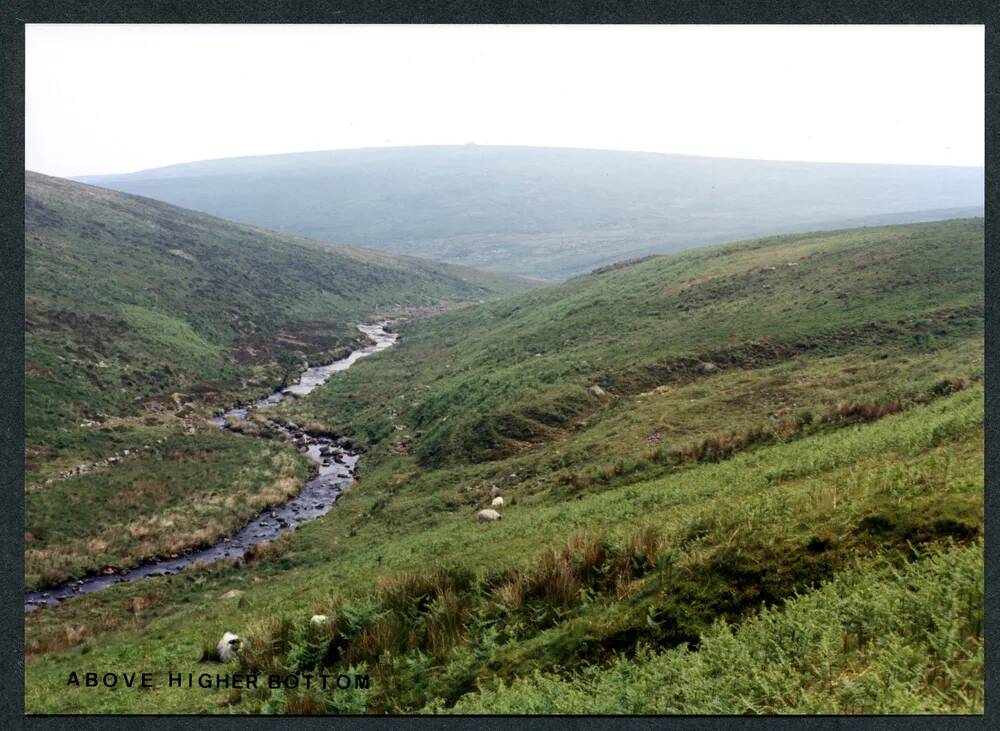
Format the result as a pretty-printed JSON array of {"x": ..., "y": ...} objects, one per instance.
[{"x": 287, "y": 509}]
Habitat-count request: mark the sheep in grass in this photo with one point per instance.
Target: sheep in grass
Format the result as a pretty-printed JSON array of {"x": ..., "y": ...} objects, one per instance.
[
  {"x": 318, "y": 620},
  {"x": 228, "y": 646},
  {"x": 488, "y": 516},
  {"x": 497, "y": 502}
]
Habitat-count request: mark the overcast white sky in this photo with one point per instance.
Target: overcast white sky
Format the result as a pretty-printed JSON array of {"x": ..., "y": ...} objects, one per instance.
[{"x": 118, "y": 98}]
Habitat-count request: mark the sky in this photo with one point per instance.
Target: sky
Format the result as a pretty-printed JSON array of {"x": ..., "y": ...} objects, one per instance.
[{"x": 121, "y": 98}]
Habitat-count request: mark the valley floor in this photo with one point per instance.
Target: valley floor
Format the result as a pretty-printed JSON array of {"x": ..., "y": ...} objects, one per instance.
[{"x": 744, "y": 479}]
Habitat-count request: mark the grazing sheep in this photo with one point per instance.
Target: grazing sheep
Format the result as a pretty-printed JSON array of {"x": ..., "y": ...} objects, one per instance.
[
  {"x": 488, "y": 516},
  {"x": 228, "y": 646},
  {"x": 318, "y": 619},
  {"x": 497, "y": 502}
]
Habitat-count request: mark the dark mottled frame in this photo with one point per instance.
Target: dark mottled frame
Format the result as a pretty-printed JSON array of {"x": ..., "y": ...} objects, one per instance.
[{"x": 18, "y": 12}]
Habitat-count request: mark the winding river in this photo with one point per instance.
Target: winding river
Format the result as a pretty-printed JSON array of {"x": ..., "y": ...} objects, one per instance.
[{"x": 336, "y": 462}]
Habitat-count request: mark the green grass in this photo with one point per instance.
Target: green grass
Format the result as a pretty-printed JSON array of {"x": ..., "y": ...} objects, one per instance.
[
  {"x": 833, "y": 457},
  {"x": 487, "y": 382},
  {"x": 877, "y": 639}
]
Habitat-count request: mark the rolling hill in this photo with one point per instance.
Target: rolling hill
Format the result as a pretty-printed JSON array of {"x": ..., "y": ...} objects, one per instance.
[
  {"x": 743, "y": 479},
  {"x": 140, "y": 320},
  {"x": 548, "y": 212},
  {"x": 491, "y": 380},
  {"x": 129, "y": 299}
]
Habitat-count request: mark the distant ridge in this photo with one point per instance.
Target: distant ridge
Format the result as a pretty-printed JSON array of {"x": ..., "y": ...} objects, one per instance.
[{"x": 547, "y": 212}]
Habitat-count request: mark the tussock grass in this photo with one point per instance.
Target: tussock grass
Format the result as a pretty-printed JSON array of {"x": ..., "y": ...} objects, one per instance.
[{"x": 146, "y": 507}]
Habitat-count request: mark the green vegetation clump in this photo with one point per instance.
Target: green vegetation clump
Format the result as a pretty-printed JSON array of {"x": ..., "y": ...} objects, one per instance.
[{"x": 877, "y": 639}]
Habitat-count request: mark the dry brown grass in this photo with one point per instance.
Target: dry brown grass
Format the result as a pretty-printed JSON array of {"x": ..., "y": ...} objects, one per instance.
[
  {"x": 385, "y": 634},
  {"x": 587, "y": 551},
  {"x": 446, "y": 623},
  {"x": 139, "y": 603},
  {"x": 265, "y": 645},
  {"x": 510, "y": 594},
  {"x": 71, "y": 634},
  {"x": 309, "y": 702},
  {"x": 394, "y": 592},
  {"x": 555, "y": 579},
  {"x": 644, "y": 544},
  {"x": 269, "y": 550},
  {"x": 868, "y": 411}
]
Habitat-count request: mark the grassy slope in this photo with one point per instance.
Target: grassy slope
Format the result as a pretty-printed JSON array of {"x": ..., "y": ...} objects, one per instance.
[
  {"x": 134, "y": 307},
  {"x": 767, "y": 506},
  {"x": 487, "y": 382},
  {"x": 161, "y": 295},
  {"x": 875, "y": 640},
  {"x": 755, "y": 481}
]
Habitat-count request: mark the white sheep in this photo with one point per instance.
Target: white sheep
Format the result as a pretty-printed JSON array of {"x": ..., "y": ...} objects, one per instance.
[
  {"x": 318, "y": 619},
  {"x": 487, "y": 516},
  {"x": 497, "y": 502},
  {"x": 228, "y": 646}
]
